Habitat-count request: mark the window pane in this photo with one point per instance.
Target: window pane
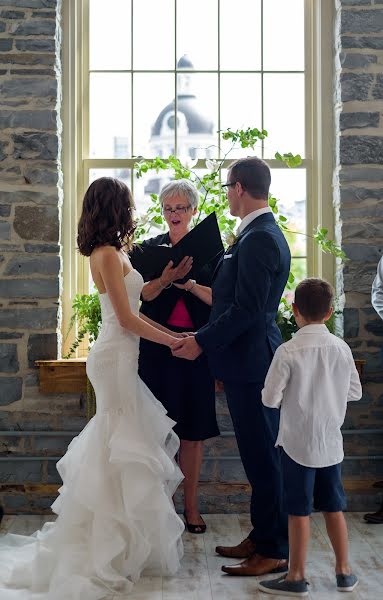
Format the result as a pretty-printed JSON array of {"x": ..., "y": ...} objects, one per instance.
[
  {"x": 240, "y": 40},
  {"x": 299, "y": 270},
  {"x": 197, "y": 32},
  {"x": 110, "y": 115},
  {"x": 109, "y": 34},
  {"x": 153, "y": 34},
  {"x": 283, "y": 35},
  {"x": 197, "y": 125},
  {"x": 240, "y": 111},
  {"x": 289, "y": 187},
  {"x": 153, "y": 105},
  {"x": 284, "y": 113}
]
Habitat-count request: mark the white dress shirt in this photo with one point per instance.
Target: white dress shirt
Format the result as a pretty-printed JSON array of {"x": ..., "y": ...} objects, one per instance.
[
  {"x": 251, "y": 216},
  {"x": 377, "y": 290},
  {"x": 312, "y": 377}
]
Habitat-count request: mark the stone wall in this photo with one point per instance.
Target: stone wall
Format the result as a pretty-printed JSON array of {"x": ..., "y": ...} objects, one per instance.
[
  {"x": 30, "y": 193},
  {"x": 359, "y": 189}
]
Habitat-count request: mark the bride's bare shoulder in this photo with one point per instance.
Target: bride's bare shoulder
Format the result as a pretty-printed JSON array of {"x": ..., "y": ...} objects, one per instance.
[{"x": 105, "y": 256}]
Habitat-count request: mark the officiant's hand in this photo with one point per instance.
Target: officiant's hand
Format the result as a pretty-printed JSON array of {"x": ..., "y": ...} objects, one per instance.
[
  {"x": 170, "y": 273},
  {"x": 187, "y": 348}
]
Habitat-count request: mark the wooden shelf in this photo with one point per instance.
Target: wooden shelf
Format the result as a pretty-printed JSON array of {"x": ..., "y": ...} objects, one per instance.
[{"x": 60, "y": 376}]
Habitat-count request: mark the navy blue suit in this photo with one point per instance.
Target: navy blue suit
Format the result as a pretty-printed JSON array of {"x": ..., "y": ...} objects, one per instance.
[{"x": 240, "y": 340}]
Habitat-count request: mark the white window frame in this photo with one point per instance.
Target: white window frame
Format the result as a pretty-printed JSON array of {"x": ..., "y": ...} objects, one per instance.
[{"x": 320, "y": 141}]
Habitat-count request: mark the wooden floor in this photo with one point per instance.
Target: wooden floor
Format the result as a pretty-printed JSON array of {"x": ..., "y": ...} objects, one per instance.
[{"x": 200, "y": 577}]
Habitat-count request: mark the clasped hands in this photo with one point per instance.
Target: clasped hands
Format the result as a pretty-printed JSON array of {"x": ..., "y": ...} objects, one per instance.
[{"x": 186, "y": 347}]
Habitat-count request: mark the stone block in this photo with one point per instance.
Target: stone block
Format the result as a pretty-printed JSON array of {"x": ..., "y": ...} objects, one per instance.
[
  {"x": 355, "y": 86},
  {"x": 29, "y": 288},
  {"x": 37, "y": 223},
  {"x": 3, "y": 146},
  {"x": 43, "y": 265},
  {"x": 27, "y": 196},
  {"x": 5, "y": 210},
  {"x": 11, "y": 389},
  {"x": 2, "y": 26},
  {"x": 34, "y": 28},
  {"x": 52, "y": 474},
  {"x": 377, "y": 90},
  {"x": 356, "y": 2},
  {"x": 5, "y": 230},
  {"x": 40, "y": 175},
  {"x": 362, "y": 149},
  {"x": 29, "y": 3},
  {"x": 375, "y": 43},
  {"x": 357, "y": 195},
  {"x": 20, "y": 471},
  {"x": 11, "y": 14},
  {"x": 357, "y": 61},
  {"x": 358, "y": 120},
  {"x": 29, "y": 119},
  {"x": 375, "y": 326},
  {"x": 29, "y": 88},
  {"x": 8, "y": 358},
  {"x": 34, "y": 45},
  {"x": 373, "y": 210},
  {"x": 27, "y": 59},
  {"x": 351, "y": 322},
  {"x": 42, "y": 248},
  {"x": 362, "y": 21},
  {"x": 35, "y": 145},
  {"x": 7, "y": 335},
  {"x": 363, "y": 252},
  {"x": 5, "y": 44},
  {"x": 351, "y": 174},
  {"x": 29, "y": 318},
  {"x": 42, "y": 346}
]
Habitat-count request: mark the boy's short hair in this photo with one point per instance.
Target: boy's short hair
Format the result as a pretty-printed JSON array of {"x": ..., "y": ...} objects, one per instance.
[{"x": 313, "y": 298}]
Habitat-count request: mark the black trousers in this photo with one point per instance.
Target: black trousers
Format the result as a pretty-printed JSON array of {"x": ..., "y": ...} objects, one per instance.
[{"x": 256, "y": 430}]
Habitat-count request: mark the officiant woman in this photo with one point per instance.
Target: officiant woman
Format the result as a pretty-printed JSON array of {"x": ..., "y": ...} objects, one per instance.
[{"x": 185, "y": 388}]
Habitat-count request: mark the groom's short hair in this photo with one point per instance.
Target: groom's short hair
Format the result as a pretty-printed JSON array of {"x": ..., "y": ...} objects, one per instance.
[{"x": 253, "y": 174}]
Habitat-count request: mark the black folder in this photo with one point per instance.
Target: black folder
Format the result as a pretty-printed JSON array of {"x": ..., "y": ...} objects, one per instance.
[{"x": 203, "y": 243}]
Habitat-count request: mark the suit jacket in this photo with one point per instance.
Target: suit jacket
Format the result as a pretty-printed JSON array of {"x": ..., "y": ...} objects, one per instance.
[{"x": 242, "y": 335}]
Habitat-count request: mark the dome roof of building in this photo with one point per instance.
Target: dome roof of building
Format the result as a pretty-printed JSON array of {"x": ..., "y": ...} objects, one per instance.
[{"x": 187, "y": 104}]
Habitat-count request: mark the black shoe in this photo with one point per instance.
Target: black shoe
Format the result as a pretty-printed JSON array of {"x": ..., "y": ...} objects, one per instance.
[
  {"x": 194, "y": 528},
  {"x": 376, "y": 518},
  {"x": 1, "y": 512}
]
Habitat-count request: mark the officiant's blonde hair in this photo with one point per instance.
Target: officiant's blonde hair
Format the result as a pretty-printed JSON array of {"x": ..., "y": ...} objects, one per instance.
[{"x": 180, "y": 187}]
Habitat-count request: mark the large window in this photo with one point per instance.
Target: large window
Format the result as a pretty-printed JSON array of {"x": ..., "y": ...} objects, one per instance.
[{"x": 160, "y": 77}]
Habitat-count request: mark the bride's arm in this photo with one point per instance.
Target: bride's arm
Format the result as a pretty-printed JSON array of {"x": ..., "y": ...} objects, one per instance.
[
  {"x": 162, "y": 327},
  {"x": 111, "y": 271}
]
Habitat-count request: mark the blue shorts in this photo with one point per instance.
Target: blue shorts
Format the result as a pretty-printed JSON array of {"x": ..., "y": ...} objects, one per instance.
[{"x": 305, "y": 487}]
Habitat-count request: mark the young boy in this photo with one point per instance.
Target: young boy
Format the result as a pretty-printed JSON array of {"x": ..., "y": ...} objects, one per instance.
[{"x": 312, "y": 377}]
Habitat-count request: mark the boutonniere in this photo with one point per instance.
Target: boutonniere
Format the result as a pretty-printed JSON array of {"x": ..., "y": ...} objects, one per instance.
[{"x": 231, "y": 240}]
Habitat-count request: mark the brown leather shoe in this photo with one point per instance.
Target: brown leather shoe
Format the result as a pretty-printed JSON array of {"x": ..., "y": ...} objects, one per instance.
[
  {"x": 243, "y": 550},
  {"x": 257, "y": 565}
]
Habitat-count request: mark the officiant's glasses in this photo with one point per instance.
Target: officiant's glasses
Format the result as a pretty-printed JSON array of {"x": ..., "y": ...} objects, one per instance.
[
  {"x": 178, "y": 210},
  {"x": 229, "y": 184}
]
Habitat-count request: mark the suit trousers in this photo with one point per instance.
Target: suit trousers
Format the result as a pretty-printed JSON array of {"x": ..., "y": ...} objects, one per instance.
[{"x": 256, "y": 430}]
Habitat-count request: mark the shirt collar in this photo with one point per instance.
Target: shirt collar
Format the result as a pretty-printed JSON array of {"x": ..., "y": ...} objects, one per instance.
[
  {"x": 314, "y": 328},
  {"x": 251, "y": 216}
]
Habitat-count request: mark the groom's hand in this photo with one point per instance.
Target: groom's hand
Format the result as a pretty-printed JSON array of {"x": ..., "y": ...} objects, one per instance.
[{"x": 186, "y": 348}]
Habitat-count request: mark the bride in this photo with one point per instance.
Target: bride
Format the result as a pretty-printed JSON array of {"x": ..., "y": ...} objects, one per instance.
[{"x": 115, "y": 511}]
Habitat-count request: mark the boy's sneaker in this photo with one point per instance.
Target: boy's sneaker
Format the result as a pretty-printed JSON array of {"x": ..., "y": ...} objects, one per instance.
[
  {"x": 346, "y": 583},
  {"x": 281, "y": 587}
]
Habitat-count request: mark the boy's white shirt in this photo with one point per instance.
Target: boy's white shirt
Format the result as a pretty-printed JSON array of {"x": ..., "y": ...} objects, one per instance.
[{"x": 312, "y": 377}]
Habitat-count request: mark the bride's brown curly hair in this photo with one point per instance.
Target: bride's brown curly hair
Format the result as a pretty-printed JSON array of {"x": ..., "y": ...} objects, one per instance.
[{"x": 107, "y": 216}]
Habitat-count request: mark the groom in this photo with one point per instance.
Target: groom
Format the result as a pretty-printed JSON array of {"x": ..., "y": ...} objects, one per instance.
[{"x": 240, "y": 340}]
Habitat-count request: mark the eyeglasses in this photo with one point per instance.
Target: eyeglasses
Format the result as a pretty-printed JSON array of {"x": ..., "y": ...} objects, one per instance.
[
  {"x": 229, "y": 184},
  {"x": 178, "y": 210}
]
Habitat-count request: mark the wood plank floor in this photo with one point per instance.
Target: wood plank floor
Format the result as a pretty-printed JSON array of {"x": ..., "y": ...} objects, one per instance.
[{"x": 200, "y": 577}]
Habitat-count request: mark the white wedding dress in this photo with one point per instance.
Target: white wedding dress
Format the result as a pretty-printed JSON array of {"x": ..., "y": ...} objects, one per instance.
[{"x": 115, "y": 511}]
